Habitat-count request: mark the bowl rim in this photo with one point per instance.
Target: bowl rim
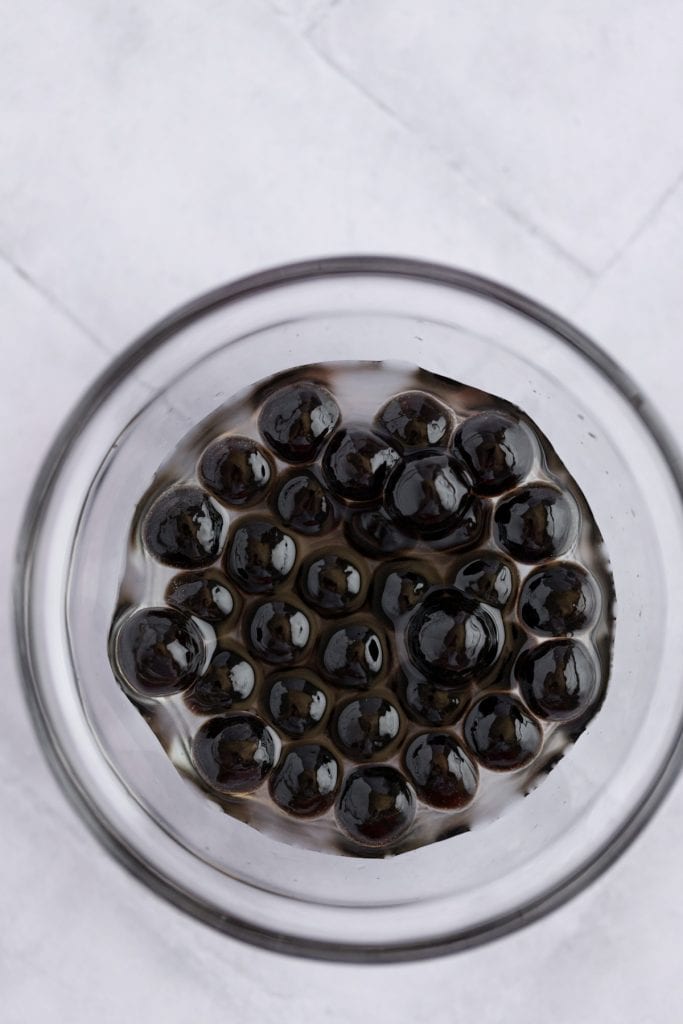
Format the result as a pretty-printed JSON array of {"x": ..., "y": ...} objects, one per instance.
[{"x": 105, "y": 383}]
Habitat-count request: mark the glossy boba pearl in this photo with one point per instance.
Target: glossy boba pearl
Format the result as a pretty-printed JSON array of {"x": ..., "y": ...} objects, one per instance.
[
  {"x": 536, "y": 522},
  {"x": 159, "y": 651},
  {"x": 305, "y": 782},
  {"x": 366, "y": 726},
  {"x": 452, "y": 637},
  {"x": 260, "y": 556},
  {"x": 558, "y": 599},
  {"x": 295, "y": 704},
  {"x": 183, "y": 528},
  {"x": 414, "y": 419},
  {"x": 441, "y": 771},
  {"x": 205, "y": 595},
  {"x": 297, "y": 419},
  {"x": 331, "y": 583},
  {"x": 278, "y": 632},
  {"x": 357, "y": 462},
  {"x": 372, "y": 532},
  {"x": 487, "y": 578},
  {"x": 376, "y": 806},
  {"x": 303, "y": 505},
  {"x": 558, "y": 679},
  {"x": 496, "y": 449},
  {"x": 352, "y": 656},
  {"x": 428, "y": 703},
  {"x": 501, "y": 734},
  {"x": 229, "y": 679},
  {"x": 233, "y": 753},
  {"x": 399, "y": 589},
  {"x": 236, "y": 470},
  {"x": 426, "y": 494}
]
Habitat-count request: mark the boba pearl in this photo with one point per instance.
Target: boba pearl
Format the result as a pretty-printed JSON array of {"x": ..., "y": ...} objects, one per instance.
[
  {"x": 441, "y": 771},
  {"x": 558, "y": 679},
  {"x": 488, "y": 578},
  {"x": 501, "y": 733},
  {"x": 426, "y": 494},
  {"x": 183, "y": 528},
  {"x": 399, "y": 589},
  {"x": 305, "y": 781},
  {"x": 428, "y": 703},
  {"x": 357, "y": 462},
  {"x": 331, "y": 583},
  {"x": 415, "y": 419},
  {"x": 278, "y": 632},
  {"x": 158, "y": 651},
  {"x": 304, "y": 505},
  {"x": 496, "y": 450},
  {"x": 202, "y": 594},
  {"x": 260, "y": 556},
  {"x": 536, "y": 522},
  {"x": 233, "y": 753},
  {"x": 373, "y": 533},
  {"x": 352, "y": 656},
  {"x": 376, "y": 806},
  {"x": 366, "y": 726},
  {"x": 236, "y": 469},
  {"x": 558, "y": 599},
  {"x": 452, "y": 637},
  {"x": 229, "y": 679},
  {"x": 296, "y": 705},
  {"x": 297, "y": 419}
]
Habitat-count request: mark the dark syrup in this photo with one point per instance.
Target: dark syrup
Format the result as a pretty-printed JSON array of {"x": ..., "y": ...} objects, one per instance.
[{"x": 394, "y": 613}]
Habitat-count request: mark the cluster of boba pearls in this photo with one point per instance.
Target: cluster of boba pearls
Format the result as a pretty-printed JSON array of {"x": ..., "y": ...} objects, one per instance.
[{"x": 366, "y": 619}]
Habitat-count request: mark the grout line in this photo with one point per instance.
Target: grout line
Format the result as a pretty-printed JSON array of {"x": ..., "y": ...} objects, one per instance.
[
  {"x": 637, "y": 233},
  {"x": 514, "y": 215},
  {"x": 643, "y": 224},
  {"x": 320, "y": 14},
  {"x": 55, "y": 303}
]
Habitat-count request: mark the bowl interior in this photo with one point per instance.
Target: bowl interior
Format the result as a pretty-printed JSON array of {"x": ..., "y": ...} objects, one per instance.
[{"x": 458, "y": 889}]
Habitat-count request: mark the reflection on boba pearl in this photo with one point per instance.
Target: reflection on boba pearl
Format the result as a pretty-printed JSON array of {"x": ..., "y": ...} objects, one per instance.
[
  {"x": 236, "y": 470},
  {"x": 495, "y": 449},
  {"x": 415, "y": 420},
  {"x": 296, "y": 704},
  {"x": 305, "y": 782},
  {"x": 260, "y": 556},
  {"x": 296, "y": 420},
  {"x": 183, "y": 528},
  {"x": 536, "y": 523},
  {"x": 366, "y": 726},
  {"x": 233, "y": 754},
  {"x": 352, "y": 656},
  {"x": 228, "y": 680},
  {"x": 304, "y": 505},
  {"x": 441, "y": 771},
  {"x": 159, "y": 651},
  {"x": 357, "y": 463},
  {"x": 559, "y": 599},
  {"x": 452, "y": 637},
  {"x": 278, "y": 632},
  {"x": 205, "y": 595},
  {"x": 376, "y": 807},
  {"x": 332, "y": 584}
]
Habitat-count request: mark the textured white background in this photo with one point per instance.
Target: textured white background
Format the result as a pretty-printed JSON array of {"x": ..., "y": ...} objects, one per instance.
[{"x": 150, "y": 150}]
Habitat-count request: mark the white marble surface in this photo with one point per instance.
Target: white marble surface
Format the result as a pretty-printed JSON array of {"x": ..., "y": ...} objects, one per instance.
[{"x": 152, "y": 150}]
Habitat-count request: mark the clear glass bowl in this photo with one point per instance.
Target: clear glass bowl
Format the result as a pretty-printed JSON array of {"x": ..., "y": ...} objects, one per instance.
[{"x": 451, "y": 894}]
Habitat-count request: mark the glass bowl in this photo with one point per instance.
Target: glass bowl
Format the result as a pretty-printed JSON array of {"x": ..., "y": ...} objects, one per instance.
[{"x": 447, "y": 895}]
